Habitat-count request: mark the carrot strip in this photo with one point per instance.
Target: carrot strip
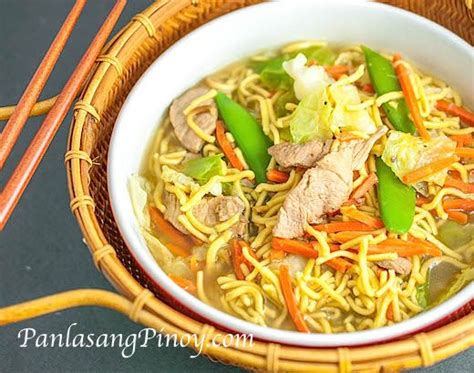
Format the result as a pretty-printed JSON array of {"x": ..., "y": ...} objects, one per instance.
[
  {"x": 339, "y": 264},
  {"x": 308, "y": 250},
  {"x": 277, "y": 254},
  {"x": 368, "y": 87},
  {"x": 238, "y": 258},
  {"x": 183, "y": 283},
  {"x": 181, "y": 243},
  {"x": 462, "y": 140},
  {"x": 410, "y": 97},
  {"x": 429, "y": 169},
  {"x": 458, "y": 184},
  {"x": 363, "y": 188},
  {"x": 277, "y": 176},
  {"x": 343, "y": 237},
  {"x": 408, "y": 248},
  {"x": 420, "y": 201},
  {"x": 294, "y": 247},
  {"x": 355, "y": 214},
  {"x": 450, "y": 108},
  {"x": 458, "y": 216},
  {"x": 290, "y": 300},
  {"x": 337, "y": 71},
  {"x": 390, "y": 312},
  {"x": 227, "y": 147},
  {"x": 458, "y": 204},
  {"x": 343, "y": 226},
  {"x": 465, "y": 152}
]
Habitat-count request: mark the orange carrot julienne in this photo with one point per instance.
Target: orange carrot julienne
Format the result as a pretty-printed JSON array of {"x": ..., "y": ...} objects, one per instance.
[
  {"x": 277, "y": 254},
  {"x": 410, "y": 98},
  {"x": 294, "y": 247},
  {"x": 367, "y": 219},
  {"x": 293, "y": 310},
  {"x": 458, "y": 216},
  {"x": 368, "y": 87},
  {"x": 345, "y": 236},
  {"x": 390, "y": 312},
  {"x": 363, "y": 188},
  {"x": 342, "y": 226},
  {"x": 450, "y": 108},
  {"x": 183, "y": 283},
  {"x": 182, "y": 244},
  {"x": 465, "y": 152},
  {"x": 227, "y": 147},
  {"x": 339, "y": 264},
  {"x": 337, "y": 71},
  {"x": 238, "y": 258},
  {"x": 458, "y": 204},
  {"x": 409, "y": 248},
  {"x": 277, "y": 176},
  {"x": 420, "y": 201},
  {"x": 458, "y": 184},
  {"x": 462, "y": 140},
  {"x": 422, "y": 172}
]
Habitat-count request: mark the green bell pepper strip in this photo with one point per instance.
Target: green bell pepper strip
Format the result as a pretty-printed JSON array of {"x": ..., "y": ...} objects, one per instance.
[
  {"x": 397, "y": 201},
  {"x": 384, "y": 80},
  {"x": 248, "y": 135}
]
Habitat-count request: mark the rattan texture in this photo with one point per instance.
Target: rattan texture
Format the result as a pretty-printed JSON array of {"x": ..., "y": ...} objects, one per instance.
[{"x": 122, "y": 62}]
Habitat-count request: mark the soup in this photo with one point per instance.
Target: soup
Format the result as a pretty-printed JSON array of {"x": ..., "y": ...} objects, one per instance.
[{"x": 313, "y": 188}]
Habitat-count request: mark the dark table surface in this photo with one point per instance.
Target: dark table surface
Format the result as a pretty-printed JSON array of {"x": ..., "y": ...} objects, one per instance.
[{"x": 41, "y": 247}]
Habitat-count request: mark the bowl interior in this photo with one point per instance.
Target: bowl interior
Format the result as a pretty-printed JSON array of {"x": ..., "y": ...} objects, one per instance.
[{"x": 269, "y": 25}]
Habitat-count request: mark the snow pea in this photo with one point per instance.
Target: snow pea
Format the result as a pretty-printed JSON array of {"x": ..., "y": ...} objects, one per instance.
[
  {"x": 248, "y": 135},
  {"x": 384, "y": 80},
  {"x": 397, "y": 201}
]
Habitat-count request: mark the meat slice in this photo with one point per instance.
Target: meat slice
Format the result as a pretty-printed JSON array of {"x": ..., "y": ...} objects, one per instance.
[
  {"x": 173, "y": 211},
  {"x": 300, "y": 155},
  {"x": 401, "y": 265},
  {"x": 323, "y": 188},
  {"x": 205, "y": 120},
  {"x": 215, "y": 210},
  {"x": 210, "y": 211}
]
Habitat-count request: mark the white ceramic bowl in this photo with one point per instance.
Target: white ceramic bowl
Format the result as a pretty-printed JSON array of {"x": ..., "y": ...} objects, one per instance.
[{"x": 240, "y": 34}]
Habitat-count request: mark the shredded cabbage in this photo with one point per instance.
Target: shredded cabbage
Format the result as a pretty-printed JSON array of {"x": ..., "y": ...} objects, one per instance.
[
  {"x": 139, "y": 188},
  {"x": 202, "y": 169},
  {"x": 310, "y": 119},
  {"x": 405, "y": 153},
  {"x": 308, "y": 79},
  {"x": 350, "y": 120}
]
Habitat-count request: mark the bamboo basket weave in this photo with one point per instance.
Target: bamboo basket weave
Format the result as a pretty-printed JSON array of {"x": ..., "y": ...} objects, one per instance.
[{"x": 123, "y": 61}]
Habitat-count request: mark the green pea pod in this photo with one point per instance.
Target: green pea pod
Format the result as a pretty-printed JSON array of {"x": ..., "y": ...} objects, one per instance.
[
  {"x": 397, "y": 201},
  {"x": 248, "y": 135},
  {"x": 384, "y": 80}
]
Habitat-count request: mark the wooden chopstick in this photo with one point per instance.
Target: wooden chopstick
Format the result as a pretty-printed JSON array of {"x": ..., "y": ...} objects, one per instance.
[
  {"x": 17, "y": 121},
  {"x": 23, "y": 173}
]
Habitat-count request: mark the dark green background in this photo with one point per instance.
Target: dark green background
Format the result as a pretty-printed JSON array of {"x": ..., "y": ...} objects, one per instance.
[{"x": 41, "y": 248}]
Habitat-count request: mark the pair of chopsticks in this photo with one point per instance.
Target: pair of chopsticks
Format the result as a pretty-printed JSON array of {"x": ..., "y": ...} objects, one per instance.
[{"x": 30, "y": 160}]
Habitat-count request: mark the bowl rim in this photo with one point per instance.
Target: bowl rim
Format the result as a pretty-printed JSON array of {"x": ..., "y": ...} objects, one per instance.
[{"x": 230, "y": 322}]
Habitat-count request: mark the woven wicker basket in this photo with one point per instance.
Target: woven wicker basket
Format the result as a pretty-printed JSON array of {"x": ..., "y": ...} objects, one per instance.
[{"x": 123, "y": 61}]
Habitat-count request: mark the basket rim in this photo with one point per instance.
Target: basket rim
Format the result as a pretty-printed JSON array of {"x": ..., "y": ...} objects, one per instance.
[{"x": 95, "y": 94}]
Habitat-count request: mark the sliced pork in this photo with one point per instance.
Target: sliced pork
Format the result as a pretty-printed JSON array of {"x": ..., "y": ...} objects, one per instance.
[
  {"x": 206, "y": 120},
  {"x": 323, "y": 188},
  {"x": 210, "y": 211},
  {"x": 299, "y": 155},
  {"x": 401, "y": 265}
]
